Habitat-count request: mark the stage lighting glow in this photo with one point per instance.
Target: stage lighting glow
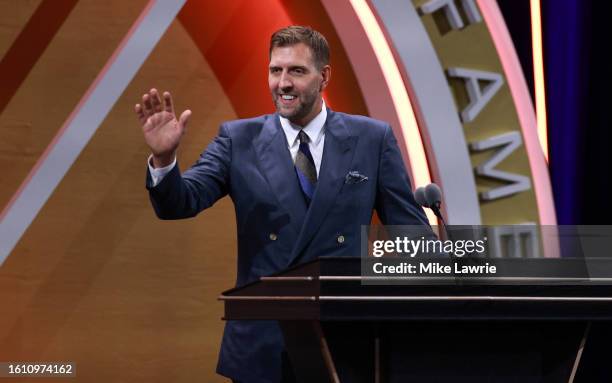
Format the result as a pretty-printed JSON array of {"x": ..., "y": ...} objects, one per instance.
[{"x": 538, "y": 74}]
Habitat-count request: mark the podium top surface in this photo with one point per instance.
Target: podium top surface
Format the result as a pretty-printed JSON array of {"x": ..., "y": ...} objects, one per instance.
[
  {"x": 459, "y": 271},
  {"x": 336, "y": 287}
]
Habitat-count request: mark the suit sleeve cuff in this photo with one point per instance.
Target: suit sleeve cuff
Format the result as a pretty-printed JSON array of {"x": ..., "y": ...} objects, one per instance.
[{"x": 158, "y": 174}]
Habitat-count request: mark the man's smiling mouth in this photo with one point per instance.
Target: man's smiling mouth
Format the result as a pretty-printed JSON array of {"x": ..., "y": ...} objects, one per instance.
[{"x": 287, "y": 99}]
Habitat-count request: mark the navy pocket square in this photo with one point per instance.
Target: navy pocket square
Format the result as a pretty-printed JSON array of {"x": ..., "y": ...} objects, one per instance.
[{"x": 353, "y": 177}]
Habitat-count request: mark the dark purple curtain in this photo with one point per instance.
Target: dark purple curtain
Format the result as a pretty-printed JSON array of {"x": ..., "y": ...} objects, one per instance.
[{"x": 576, "y": 36}]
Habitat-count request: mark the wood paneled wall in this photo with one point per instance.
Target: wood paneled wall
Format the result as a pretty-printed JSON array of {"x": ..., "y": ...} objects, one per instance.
[{"x": 97, "y": 279}]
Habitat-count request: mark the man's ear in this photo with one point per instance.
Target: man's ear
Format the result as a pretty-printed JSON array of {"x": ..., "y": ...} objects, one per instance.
[{"x": 326, "y": 75}]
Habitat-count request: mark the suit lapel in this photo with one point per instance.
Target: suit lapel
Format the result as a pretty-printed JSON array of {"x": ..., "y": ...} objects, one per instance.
[
  {"x": 277, "y": 166},
  {"x": 338, "y": 153}
]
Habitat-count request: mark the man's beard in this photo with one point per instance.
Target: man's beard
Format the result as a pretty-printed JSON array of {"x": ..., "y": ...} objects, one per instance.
[{"x": 302, "y": 109}]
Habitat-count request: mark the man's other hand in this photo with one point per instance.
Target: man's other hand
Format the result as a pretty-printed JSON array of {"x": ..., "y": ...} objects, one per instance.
[{"x": 162, "y": 131}]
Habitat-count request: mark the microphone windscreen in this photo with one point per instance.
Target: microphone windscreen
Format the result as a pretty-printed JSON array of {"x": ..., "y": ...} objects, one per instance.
[
  {"x": 419, "y": 196},
  {"x": 433, "y": 195}
]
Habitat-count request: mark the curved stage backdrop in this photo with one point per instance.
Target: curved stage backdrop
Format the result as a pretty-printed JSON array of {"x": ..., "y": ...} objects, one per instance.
[{"x": 90, "y": 275}]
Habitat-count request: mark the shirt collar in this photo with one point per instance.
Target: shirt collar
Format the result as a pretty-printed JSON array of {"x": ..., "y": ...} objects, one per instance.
[{"x": 314, "y": 128}]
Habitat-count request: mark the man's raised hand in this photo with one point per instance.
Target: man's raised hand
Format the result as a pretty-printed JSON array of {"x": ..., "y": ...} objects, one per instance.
[{"x": 162, "y": 131}]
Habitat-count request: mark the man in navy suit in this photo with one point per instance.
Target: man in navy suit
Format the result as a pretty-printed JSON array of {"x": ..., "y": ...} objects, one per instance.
[{"x": 303, "y": 181}]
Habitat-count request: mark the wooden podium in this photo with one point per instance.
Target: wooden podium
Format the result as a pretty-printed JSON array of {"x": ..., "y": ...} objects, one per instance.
[{"x": 338, "y": 328}]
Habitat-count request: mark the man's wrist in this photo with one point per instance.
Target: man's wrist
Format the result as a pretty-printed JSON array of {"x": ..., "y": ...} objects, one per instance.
[{"x": 162, "y": 161}]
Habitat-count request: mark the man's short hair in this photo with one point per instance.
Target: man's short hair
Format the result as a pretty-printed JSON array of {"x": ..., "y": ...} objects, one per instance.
[{"x": 296, "y": 34}]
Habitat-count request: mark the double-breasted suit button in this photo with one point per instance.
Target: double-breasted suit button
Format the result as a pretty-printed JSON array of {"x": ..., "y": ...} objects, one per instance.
[
  {"x": 340, "y": 239},
  {"x": 273, "y": 237}
]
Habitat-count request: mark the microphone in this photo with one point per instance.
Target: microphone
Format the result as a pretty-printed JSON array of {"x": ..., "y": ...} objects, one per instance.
[
  {"x": 419, "y": 196},
  {"x": 430, "y": 197},
  {"x": 433, "y": 196}
]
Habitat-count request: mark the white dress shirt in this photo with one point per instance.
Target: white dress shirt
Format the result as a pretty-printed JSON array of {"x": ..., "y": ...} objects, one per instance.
[{"x": 314, "y": 129}]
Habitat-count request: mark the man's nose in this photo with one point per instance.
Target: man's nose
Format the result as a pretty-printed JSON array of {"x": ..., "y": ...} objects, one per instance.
[{"x": 285, "y": 81}]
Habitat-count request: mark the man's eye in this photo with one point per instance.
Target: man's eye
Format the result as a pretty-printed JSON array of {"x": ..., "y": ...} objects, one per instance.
[{"x": 298, "y": 71}]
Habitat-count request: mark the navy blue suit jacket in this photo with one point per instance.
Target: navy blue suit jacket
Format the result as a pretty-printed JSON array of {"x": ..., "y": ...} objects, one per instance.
[{"x": 250, "y": 161}]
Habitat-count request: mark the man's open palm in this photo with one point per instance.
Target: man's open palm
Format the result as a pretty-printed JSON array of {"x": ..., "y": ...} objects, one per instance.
[{"x": 162, "y": 131}]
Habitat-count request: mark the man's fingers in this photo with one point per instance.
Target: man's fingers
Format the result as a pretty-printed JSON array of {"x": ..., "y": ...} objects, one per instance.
[
  {"x": 184, "y": 119},
  {"x": 168, "y": 105},
  {"x": 155, "y": 100},
  {"x": 148, "y": 106},
  {"x": 140, "y": 113}
]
